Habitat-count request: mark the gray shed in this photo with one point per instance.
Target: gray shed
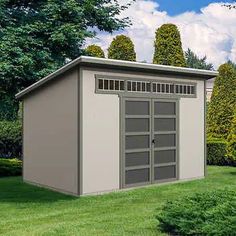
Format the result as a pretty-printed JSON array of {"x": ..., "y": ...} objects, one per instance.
[{"x": 98, "y": 125}]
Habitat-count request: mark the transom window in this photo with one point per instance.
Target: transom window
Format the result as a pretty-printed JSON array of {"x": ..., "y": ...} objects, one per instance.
[
  {"x": 111, "y": 84},
  {"x": 138, "y": 86},
  {"x": 145, "y": 86}
]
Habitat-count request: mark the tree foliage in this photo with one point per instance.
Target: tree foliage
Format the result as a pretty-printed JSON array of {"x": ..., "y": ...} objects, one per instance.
[
  {"x": 231, "y": 146},
  {"x": 168, "y": 46},
  {"x": 95, "y": 51},
  {"x": 223, "y": 103},
  {"x": 122, "y": 48},
  {"x": 193, "y": 61},
  {"x": 38, "y": 36}
]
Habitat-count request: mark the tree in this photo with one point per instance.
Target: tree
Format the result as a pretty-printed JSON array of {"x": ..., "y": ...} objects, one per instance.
[
  {"x": 231, "y": 144},
  {"x": 122, "y": 48},
  {"x": 95, "y": 51},
  {"x": 193, "y": 61},
  {"x": 232, "y": 63},
  {"x": 168, "y": 46},
  {"x": 37, "y": 37},
  {"x": 223, "y": 103}
]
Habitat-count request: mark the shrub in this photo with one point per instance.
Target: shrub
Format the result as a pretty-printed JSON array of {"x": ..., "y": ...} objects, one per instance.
[
  {"x": 216, "y": 152},
  {"x": 10, "y": 139},
  {"x": 10, "y": 167},
  {"x": 209, "y": 213},
  {"x": 122, "y": 48},
  {"x": 168, "y": 46},
  {"x": 95, "y": 51},
  {"x": 223, "y": 102}
]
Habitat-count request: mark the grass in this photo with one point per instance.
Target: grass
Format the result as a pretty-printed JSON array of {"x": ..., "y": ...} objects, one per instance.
[{"x": 29, "y": 210}]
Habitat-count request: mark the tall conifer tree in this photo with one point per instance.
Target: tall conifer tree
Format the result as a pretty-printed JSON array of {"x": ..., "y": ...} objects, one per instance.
[{"x": 168, "y": 46}]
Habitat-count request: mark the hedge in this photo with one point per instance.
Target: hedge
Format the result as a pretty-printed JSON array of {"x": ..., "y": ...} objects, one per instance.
[
  {"x": 10, "y": 139},
  {"x": 217, "y": 153},
  {"x": 208, "y": 213},
  {"x": 10, "y": 167}
]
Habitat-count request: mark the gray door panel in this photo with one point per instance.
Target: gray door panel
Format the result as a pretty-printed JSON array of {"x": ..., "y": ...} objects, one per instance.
[{"x": 149, "y": 140}]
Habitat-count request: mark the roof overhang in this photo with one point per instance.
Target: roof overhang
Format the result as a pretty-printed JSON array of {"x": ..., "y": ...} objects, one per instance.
[{"x": 121, "y": 65}]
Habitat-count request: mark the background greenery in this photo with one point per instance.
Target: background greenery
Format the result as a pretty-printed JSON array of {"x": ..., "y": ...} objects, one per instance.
[
  {"x": 168, "y": 46},
  {"x": 37, "y": 37},
  {"x": 10, "y": 167},
  {"x": 222, "y": 107},
  {"x": 122, "y": 48},
  {"x": 10, "y": 139},
  {"x": 95, "y": 51}
]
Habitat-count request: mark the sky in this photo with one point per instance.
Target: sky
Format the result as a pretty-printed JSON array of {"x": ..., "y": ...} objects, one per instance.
[
  {"x": 206, "y": 27},
  {"x": 175, "y": 7}
]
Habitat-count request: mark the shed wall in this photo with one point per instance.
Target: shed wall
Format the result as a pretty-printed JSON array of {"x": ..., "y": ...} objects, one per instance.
[
  {"x": 50, "y": 134},
  {"x": 101, "y": 133}
]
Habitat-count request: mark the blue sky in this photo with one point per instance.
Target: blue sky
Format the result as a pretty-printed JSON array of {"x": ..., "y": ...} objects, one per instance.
[
  {"x": 206, "y": 27},
  {"x": 175, "y": 7}
]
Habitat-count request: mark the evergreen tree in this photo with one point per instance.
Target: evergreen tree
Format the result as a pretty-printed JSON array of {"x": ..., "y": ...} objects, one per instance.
[
  {"x": 168, "y": 46},
  {"x": 232, "y": 64},
  {"x": 122, "y": 48},
  {"x": 95, "y": 51},
  {"x": 38, "y": 36},
  {"x": 231, "y": 140},
  {"x": 193, "y": 61},
  {"x": 223, "y": 103}
]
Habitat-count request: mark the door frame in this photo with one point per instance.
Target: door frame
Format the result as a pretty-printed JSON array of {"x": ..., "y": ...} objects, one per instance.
[{"x": 151, "y": 99}]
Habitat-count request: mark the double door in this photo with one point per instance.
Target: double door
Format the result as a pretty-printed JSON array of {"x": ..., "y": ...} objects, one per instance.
[{"x": 149, "y": 141}]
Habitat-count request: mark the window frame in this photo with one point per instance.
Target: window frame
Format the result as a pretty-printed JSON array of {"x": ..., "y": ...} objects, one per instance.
[{"x": 186, "y": 86}]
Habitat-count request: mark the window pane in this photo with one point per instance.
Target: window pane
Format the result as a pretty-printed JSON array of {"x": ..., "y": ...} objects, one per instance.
[
  {"x": 100, "y": 83},
  {"x": 164, "y": 156},
  {"x": 117, "y": 82},
  {"x": 164, "y": 172},
  {"x": 164, "y": 108},
  {"x": 164, "y": 124},
  {"x": 137, "y": 125},
  {"x": 137, "y": 176},
  {"x": 165, "y": 140},
  {"x": 122, "y": 85},
  {"x": 133, "y": 86},
  {"x": 129, "y": 85},
  {"x": 154, "y": 87},
  {"x": 137, "y": 142},
  {"x": 111, "y": 84},
  {"x": 137, "y": 108},
  {"x": 137, "y": 159},
  {"x": 106, "y": 84}
]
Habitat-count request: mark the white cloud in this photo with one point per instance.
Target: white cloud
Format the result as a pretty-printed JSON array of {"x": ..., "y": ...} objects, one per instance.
[{"x": 212, "y": 32}]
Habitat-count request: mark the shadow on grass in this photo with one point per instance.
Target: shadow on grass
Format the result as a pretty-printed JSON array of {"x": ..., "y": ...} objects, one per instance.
[{"x": 13, "y": 189}]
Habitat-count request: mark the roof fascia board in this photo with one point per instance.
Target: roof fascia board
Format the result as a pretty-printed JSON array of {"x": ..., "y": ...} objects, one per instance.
[{"x": 116, "y": 64}]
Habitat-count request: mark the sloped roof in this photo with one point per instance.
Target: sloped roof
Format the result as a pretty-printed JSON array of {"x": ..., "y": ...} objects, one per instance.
[{"x": 120, "y": 65}]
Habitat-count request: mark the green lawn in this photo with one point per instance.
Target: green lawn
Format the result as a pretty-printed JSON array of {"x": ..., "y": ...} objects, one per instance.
[{"x": 29, "y": 210}]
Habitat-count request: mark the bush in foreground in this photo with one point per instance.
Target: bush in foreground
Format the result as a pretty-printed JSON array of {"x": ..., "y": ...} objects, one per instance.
[
  {"x": 10, "y": 167},
  {"x": 209, "y": 213}
]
